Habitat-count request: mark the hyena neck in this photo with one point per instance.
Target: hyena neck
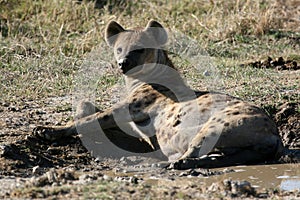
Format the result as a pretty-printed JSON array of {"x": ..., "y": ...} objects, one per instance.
[
  {"x": 164, "y": 59},
  {"x": 163, "y": 77}
]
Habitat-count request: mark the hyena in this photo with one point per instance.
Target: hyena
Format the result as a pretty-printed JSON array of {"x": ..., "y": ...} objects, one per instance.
[{"x": 189, "y": 128}]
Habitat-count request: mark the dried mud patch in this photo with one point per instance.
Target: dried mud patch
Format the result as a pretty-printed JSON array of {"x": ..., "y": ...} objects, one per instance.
[
  {"x": 33, "y": 168},
  {"x": 288, "y": 121},
  {"x": 275, "y": 63}
]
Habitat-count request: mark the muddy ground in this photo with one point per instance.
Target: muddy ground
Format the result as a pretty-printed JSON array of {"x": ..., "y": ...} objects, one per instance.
[{"x": 33, "y": 168}]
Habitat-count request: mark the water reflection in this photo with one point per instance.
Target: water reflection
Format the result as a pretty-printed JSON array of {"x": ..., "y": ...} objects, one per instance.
[
  {"x": 283, "y": 176},
  {"x": 290, "y": 184}
]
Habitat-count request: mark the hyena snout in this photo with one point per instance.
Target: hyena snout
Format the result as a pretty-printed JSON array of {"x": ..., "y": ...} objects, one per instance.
[{"x": 126, "y": 64}]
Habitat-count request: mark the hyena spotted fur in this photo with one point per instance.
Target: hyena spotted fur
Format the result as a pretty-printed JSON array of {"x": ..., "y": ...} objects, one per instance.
[{"x": 189, "y": 128}]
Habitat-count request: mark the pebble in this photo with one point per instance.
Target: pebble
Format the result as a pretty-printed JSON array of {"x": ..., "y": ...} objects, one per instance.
[
  {"x": 4, "y": 150},
  {"x": 36, "y": 169},
  {"x": 107, "y": 178}
]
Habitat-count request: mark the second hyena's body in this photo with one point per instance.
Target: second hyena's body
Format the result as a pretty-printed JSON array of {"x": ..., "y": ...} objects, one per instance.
[{"x": 185, "y": 125}]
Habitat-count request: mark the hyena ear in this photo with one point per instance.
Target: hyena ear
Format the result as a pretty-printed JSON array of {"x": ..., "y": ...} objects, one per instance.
[
  {"x": 111, "y": 32},
  {"x": 158, "y": 32}
]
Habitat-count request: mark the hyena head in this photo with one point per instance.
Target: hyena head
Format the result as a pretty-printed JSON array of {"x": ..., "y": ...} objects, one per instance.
[{"x": 135, "y": 48}]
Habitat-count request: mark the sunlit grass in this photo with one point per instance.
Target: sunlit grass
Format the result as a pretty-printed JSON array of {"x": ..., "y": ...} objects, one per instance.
[{"x": 44, "y": 43}]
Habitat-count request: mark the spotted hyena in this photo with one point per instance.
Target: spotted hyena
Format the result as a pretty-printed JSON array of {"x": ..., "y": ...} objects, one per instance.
[{"x": 189, "y": 128}]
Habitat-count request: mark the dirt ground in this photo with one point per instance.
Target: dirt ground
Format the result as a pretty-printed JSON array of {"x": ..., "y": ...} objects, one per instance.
[{"x": 33, "y": 168}]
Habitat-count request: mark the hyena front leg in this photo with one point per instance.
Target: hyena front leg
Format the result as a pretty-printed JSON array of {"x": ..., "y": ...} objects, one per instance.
[
  {"x": 83, "y": 109},
  {"x": 101, "y": 134},
  {"x": 86, "y": 121}
]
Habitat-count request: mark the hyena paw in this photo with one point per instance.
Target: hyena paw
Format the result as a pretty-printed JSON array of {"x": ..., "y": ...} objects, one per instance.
[
  {"x": 183, "y": 164},
  {"x": 46, "y": 133}
]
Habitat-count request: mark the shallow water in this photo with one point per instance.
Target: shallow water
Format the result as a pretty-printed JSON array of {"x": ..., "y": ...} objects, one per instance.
[{"x": 283, "y": 176}]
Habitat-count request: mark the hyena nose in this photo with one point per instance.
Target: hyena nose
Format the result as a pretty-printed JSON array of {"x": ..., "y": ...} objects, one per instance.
[{"x": 123, "y": 63}]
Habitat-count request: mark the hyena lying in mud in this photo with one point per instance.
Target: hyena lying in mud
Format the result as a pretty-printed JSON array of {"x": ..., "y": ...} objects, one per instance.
[{"x": 189, "y": 128}]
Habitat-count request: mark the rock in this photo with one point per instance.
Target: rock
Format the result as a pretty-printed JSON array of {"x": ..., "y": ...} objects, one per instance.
[
  {"x": 107, "y": 178},
  {"x": 36, "y": 169},
  {"x": 242, "y": 188},
  {"x": 233, "y": 188},
  {"x": 51, "y": 176},
  {"x": 5, "y": 150}
]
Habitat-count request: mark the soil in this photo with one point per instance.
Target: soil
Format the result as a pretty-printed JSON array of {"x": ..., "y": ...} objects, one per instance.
[
  {"x": 33, "y": 168},
  {"x": 278, "y": 63}
]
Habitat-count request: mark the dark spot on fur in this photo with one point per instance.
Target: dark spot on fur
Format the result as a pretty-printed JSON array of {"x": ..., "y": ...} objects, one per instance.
[
  {"x": 226, "y": 124},
  {"x": 180, "y": 110},
  {"x": 170, "y": 115},
  {"x": 219, "y": 120},
  {"x": 212, "y": 126},
  {"x": 235, "y": 113},
  {"x": 177, "y": 122},
  {"x": 214, "y": 118},
  {"x": 231, "y": 103},
  {"x": 148, "y": 102},
  {"x": 203, "y": 110},
  {"x": 146, "y": 90},
  {"x": 209, "y": 103}
]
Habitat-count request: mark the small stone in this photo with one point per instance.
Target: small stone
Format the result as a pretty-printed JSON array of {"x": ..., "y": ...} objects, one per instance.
[
  {"x": 133, "y": 180},
  {"x": 263, "y": 195},
  {"x": 107, "y": 178},
  {"x": 243, "y": 187},
  {"x": 52, "y": 176},
  {"x": 5, "y": 150},
  {"x": 206, "y": 73},
  {"x": 36, "y": 169},
  {"x": 97, "y": 160},
  {"x": 214, "y": 187}
]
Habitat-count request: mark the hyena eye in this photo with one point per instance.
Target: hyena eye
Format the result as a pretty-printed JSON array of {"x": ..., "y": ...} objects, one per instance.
[{"x": 119, "y": 50}]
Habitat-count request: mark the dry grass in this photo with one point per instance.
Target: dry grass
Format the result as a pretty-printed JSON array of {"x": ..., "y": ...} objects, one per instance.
[{"x": 43, "y": 43}]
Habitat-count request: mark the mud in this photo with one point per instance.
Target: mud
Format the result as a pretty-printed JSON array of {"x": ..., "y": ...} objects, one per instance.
[
  {"x": 33, "y": 168},
  {"x": 275, "y": 63}
]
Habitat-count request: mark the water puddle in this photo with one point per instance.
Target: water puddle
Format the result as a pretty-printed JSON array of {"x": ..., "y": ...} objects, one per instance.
[{"x": 283, "y": 176}]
